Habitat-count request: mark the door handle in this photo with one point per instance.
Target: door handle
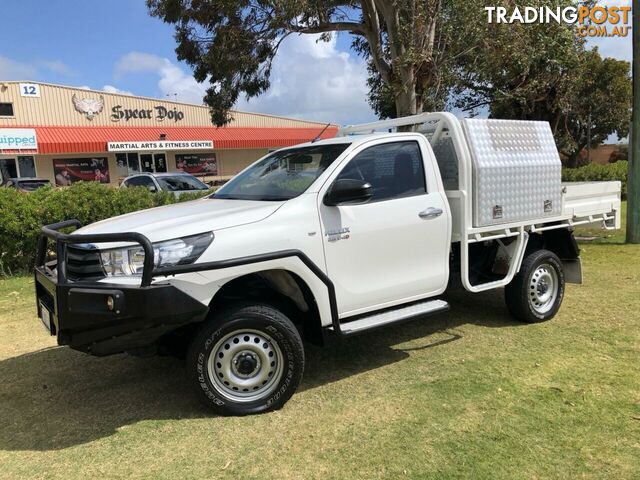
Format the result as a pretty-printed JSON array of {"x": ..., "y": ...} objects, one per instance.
[{"x": 430, "y": 212}]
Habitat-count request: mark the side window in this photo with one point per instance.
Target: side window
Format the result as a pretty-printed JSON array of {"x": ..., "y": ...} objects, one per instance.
[
  {"x": 139, "y": 182},
  {"x": 394, "y": 170}
]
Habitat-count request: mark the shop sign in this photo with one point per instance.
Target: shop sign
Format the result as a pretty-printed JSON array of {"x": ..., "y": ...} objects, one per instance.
[
  {"x": 71, "y": 170},
  {"x": 29, "y": 90},
  {"x": 157, "y": 113},
  {"x": 18, "y": 139},
  {"x": 159, "y": 145},
  {"x": 90, "y": 107},
  {"x": 197, "y": 163}
]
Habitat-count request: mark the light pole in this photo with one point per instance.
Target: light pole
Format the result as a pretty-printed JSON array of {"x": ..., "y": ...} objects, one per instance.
[{"x": 633, "y": 179}]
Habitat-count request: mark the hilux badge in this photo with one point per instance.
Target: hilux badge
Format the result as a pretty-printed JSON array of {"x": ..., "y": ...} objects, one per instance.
[{"x": 338, "y": 234}]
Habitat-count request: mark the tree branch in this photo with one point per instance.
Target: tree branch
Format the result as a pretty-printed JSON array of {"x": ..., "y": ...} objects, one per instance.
[
  {"x": 353, "y": 27},
  {"x": 374, "y": 39}
]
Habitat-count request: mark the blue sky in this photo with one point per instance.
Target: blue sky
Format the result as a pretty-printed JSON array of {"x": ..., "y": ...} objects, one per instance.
[{"x": 115, "y": 45}]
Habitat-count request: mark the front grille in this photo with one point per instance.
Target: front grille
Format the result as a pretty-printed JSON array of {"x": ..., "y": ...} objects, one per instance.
[{"x": 83, "y": 264}]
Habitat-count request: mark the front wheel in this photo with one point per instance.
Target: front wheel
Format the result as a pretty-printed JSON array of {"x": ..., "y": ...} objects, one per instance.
[
  {"x": 535, "y": 293},
  {"x": 246, "y": 359}
]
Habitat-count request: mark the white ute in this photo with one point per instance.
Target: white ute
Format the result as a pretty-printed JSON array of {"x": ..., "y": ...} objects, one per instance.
[{"x": 345, "y": 235}]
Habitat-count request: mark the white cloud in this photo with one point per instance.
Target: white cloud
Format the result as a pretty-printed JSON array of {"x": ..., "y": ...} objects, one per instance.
[
  {"x": 173, "y": 80},
  {"x": 57, "y": 66},
  {"x": 12, "y": 70},
  {"x": 315, "y": 81},
  {"x": 309, "y": 80},
  {"x": 616, "y": 47},
  {"x": 112, "y": 89}
]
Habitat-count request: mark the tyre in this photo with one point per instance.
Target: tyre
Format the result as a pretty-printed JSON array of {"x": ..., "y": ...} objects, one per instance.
[
  {"x": 246, "y": 359},
  {"x": 535, "y": 293}
]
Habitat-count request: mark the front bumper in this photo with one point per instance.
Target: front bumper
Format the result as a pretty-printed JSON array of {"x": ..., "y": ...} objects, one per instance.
[{"x": 103, "y": 318}]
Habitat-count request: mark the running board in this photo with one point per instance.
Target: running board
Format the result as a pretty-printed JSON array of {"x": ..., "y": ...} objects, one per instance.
[{"x": 390, "y": 317}]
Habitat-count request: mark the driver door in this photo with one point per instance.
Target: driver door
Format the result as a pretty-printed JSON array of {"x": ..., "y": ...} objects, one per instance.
[{"x": 387, "y": 251}]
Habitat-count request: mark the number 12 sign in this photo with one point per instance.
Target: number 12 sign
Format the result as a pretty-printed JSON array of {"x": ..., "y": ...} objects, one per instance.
[{"x": 29, "y": 90}]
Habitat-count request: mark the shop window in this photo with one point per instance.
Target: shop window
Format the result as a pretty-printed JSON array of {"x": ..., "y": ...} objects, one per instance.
[
  {"x": 121, "y": 165},
  {"x": 23, "y": 167},
  {"x": 6, "y": 109},
  {"x": 8, "y": 169},
  {"x": 26, "y": 166},
  {"x": 133, "y": 162}
]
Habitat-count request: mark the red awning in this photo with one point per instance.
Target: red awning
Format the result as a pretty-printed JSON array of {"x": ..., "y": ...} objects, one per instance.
[{"x": 94, "y": 139}]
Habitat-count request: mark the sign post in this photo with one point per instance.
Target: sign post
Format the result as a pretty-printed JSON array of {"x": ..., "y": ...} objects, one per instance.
[{"x": 633, "y": 178}]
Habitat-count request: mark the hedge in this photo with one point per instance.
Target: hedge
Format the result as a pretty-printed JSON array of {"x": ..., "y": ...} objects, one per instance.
[
  {"x": 598, "y": 173},
  {"x": 22, "y": 214}
]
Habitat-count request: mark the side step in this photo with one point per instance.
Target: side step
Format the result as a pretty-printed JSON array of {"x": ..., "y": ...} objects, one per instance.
[{"x": 388, "y": 317}]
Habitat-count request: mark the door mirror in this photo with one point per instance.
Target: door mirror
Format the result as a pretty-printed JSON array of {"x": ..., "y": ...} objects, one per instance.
[
  {"x": 348, "y": 190},
  {"x": 152, "y": 188}
]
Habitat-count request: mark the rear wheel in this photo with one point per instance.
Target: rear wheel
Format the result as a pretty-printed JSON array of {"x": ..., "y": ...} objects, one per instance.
[
  {"x": 246, "y": 359},
  {"x": 535, "y": 293}
]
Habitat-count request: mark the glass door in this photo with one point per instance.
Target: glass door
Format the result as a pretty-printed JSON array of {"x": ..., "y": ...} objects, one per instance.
[
  {"x": 160, "y": 162},
  {"x": 146, "y": 160},
  {"x": 133, "y": 163}
]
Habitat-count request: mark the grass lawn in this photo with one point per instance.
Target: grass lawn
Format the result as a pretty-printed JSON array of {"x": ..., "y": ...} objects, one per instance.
[{"x": 469, "y": 394}]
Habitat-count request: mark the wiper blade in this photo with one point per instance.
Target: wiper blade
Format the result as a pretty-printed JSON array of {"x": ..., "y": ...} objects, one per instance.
[{"x": 268, "y": 198}]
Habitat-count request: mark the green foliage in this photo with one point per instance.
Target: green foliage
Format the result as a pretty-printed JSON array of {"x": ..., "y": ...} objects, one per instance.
[
  {"x": 587, "y": 90},
  {"x": 598, "y": 173},
  {"x": 23, "y": 214},
  {"x": 231, "y": 44}
]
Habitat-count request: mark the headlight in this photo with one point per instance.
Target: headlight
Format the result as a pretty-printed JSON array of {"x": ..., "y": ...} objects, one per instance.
[{"x": 179, "y": 251}]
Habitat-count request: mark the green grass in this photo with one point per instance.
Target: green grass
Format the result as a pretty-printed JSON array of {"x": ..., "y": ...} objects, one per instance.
[{"x": 469, "y": 394}]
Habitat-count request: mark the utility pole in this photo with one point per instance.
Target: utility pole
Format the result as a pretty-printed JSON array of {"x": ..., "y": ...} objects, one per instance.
[{"x": 633, "y": 179}]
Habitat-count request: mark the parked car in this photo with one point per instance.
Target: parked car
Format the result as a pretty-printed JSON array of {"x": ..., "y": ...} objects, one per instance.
[
  {"x": 338, "y": 237},
  {"x": 26, "y": 184},
  {"x": 176, "y": 183}
]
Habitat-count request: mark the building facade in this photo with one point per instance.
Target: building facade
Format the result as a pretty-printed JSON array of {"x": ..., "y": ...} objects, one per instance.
[{"x": 68, "y": 134}]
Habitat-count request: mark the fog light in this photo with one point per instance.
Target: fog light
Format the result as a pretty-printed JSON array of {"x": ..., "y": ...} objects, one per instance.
[{"x": 110, "y": 303}]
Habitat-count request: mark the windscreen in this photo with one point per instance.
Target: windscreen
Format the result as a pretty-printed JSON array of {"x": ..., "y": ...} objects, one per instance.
[
  {"x": 283, "y": 175},
  {"x": 180, "y": 183},
  {"x": 31, "y": 185}
]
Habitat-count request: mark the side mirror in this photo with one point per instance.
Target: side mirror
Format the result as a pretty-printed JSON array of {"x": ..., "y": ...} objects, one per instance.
[
  {"x": 152, "y": 188},
  {"x": 348, "y": 190}
]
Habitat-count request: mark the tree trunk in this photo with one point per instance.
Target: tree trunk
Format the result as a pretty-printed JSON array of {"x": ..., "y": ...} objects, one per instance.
[{"x": 406, "y": 97}]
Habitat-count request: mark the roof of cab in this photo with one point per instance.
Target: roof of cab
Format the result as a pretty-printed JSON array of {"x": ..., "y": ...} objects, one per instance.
[{"x": 354, "y": 139}]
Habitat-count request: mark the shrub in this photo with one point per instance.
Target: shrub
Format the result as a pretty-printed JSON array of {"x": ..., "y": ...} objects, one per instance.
[
  {"x": 598, "y": 173},
  {"x": 23, "y": 214}
]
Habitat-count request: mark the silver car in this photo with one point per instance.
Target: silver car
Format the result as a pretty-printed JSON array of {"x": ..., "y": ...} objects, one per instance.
[{"x": 176, "y": 182}]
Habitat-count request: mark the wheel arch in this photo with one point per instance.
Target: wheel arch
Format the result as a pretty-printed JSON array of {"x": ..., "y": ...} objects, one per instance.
[
  {"x": 561, "y": 242},
  {"x": 281, "y": 288}
]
